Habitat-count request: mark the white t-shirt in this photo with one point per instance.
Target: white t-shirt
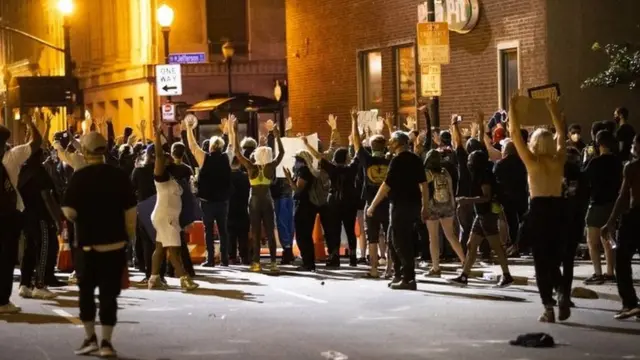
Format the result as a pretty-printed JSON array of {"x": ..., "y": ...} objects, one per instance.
[{"x": 12, "y": 161}]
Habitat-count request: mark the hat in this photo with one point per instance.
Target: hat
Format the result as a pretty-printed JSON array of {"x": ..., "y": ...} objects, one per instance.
[{"x": 93, "y": 142}]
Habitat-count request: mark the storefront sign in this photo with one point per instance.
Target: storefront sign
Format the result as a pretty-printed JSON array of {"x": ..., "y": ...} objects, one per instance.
[
  {"x": 433, "y": 43},
  {"x": 430, "y": 81},
  {"x": 461, "y": 15}
]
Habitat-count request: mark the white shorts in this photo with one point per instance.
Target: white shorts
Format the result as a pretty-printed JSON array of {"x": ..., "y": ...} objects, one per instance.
[{"x": 168, "y": 232}]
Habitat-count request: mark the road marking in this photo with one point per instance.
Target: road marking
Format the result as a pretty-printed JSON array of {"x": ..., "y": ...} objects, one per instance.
[
  {"x": 379, "y": 318},
  {"x": 301, "y": 296},
  {"x": 401, "y": 308},
  {"x": 334, "y": 355},
  {"x": 72, "y": 319}
]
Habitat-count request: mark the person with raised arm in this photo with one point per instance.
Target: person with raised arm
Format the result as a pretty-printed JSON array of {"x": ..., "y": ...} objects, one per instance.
[
  {"x": 261, "y": 210},
  {"x": 546, "y": 224},
  {"x": 214, "y": 190}
]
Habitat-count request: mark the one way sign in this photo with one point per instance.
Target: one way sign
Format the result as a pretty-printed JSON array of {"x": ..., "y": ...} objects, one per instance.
[{"x": 169, "y": 80}]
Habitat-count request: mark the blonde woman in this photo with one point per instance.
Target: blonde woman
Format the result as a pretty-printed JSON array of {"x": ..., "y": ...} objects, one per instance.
[{"x": 546, "y": 224}]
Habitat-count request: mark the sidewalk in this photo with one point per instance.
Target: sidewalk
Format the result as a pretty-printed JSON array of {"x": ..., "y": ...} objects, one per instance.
[{"x": 522, "y": 269}]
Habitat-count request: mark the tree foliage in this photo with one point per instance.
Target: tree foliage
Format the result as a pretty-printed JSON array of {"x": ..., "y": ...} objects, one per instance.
[{"x": 623, "y": 69}]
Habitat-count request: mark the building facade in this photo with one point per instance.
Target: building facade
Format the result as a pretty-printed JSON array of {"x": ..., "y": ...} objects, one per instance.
[
  {"x": 363, "y": 53},
  {"x": 115, "y": 45}
]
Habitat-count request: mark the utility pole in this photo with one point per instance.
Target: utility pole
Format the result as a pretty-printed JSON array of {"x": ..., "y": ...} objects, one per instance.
[{"x": 434, "y": 104}]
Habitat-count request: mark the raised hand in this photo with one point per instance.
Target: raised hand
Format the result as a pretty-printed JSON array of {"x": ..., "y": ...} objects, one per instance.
[
  {"x": 288, "y": 124},
  {"x": 304, "y": 140},
  {"x": 380, "y": 124},
  {"x": 142, "y": 126},
  {"x": 354, "y": 113},
  {"x": 410, "y": 123},
  {"x": 269, "y": 125},
  {"x": 332, "y": 121},
  {"x": 190, "y": 122},
  {"x": 388, "y": 120},
  {"x": 275, "y": 130}
]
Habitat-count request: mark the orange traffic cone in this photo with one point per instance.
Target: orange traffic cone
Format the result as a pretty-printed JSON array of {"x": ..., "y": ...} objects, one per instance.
[
  {"x": 197, "y": 246},
  {"x": 65, "y": 262},
  {"x": 318, "y": 241}
]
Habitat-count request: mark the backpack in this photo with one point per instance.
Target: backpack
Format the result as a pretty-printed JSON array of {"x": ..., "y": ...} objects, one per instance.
[
  {"x": 441, "y": 189},
  {"x": 8, "y": 194},
  {"x": 319, "y": 190}
]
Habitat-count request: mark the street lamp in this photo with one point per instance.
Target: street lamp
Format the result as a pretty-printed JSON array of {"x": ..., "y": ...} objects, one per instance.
[
  {"x": 165, "y": 19},
  {"x": 66, "y": 8},
  {"x": 277, "y": 93},
  {"x": 228, "y": 51}
]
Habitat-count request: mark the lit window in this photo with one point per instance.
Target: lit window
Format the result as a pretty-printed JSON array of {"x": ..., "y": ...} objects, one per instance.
[
  {"x": 372, "y": 80},
  {"x": 509, "y": 83},
  {"x": 406, "y": 81}
]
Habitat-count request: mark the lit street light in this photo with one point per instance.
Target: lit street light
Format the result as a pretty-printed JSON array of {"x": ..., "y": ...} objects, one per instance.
[
  {"x": 66, "y": 8},
  {"x": 228, "y": 51},
  {"x": 165, "y": 19}
]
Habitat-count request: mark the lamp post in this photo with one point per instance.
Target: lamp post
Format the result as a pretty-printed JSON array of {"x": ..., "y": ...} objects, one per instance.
[
  {"x": 228, "y": 51},
  {"x": 66, "y": 8},
  {"x": 434, "y": 104},
  {"x": 165, "y": 19},
  {"x": 277, "y": 93}
]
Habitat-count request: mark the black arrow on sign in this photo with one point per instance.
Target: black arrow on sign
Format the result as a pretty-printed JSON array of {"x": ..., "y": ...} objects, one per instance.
[{"x": 167, "y": 88}]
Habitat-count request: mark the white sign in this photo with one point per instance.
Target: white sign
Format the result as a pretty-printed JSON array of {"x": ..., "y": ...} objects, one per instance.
[
  {"x": 430, "y": 81},
  {"x": 168, "y": 113},
  {"x": 368, "y": 119},
  {"x": 291, "y": 147},
  {"x": 169, "y": 80}
]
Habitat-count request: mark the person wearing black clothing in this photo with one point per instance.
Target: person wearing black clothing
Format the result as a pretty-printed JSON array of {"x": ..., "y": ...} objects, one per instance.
[
  {"x": 239, "y": 215},
  {"x": 214, "y": 191},
  {"x": 375, "y": 167},
  {"x": 42, "y": 222},
  {"x": 511, "y": 178},
  {"x": 406, "y": 187},
  {"x": 604, "y": 174},
  {"x": 485, "y": 224},
  {"x": 575, "y": 138},
  {"x": 101, "y": 202},
  {"x": 11, "y": 208},
  {"x": 624, "y": 133},
  {"x": 627, "y": 240}
]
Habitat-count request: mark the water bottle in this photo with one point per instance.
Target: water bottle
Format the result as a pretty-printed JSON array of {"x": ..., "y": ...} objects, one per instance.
[{"x": 611, "y": 241}]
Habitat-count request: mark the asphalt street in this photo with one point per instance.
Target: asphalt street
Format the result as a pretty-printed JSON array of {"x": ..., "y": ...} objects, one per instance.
[{"x": 327, "y": 315}]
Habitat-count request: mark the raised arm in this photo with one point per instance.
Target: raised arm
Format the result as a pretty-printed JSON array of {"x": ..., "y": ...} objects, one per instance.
[
  {"x": 237, "y": 150},
  {"x": 47, "y": 131},
  {"x": 197, "y": 152},
  {"x": 315, "y": 153},
  {"x": 160, "y": 164},
  {"x": 355, "y": 133},
  {"x": 494, "y": 154},
  {"x": 516, "y": 135},
  {"x": 558, "y": 122},
  {"x": 36, "y": 138},
  {"x": 276, "y": 134}
]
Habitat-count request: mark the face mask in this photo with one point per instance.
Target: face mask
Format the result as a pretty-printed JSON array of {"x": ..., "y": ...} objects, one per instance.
[
  {"x": 377, "y": 153},
  {"x": 575, "y": 137},
  {"x": 298, "y": 164}
]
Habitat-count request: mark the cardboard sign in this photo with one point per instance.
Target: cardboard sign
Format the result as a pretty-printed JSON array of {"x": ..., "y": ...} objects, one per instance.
[
  {"x": 532, "y": 111},
  {"x": 291, "y": 147},
  {"x": 368, "y": 119},
  {"x": 550, "y": 91}
]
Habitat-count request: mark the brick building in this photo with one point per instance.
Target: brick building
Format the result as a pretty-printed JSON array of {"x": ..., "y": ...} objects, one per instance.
[{"x": 343, "y": 53}]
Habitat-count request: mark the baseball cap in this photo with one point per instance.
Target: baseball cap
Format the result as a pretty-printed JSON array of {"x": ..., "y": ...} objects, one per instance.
[{"x": 93, "y": 142}]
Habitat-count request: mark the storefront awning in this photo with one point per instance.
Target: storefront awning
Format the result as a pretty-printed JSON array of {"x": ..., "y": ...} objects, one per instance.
[{"x": 210, "y": 104}]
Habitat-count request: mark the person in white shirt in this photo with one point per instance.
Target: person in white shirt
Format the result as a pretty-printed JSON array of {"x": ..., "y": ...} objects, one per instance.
[
  {"x": 166, "y": 220},
  {"x": 11, "y": 207}
]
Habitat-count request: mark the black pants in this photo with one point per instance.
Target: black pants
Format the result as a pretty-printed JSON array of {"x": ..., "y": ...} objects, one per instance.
[
  {"x": 575, "y": 231},
  {"x": 514, "y": 213},
  {"x": 402, "y": 228},
  {"x": 304, "y": 217},
  {"x": 547, "y": 227},
  {"x": 421, "y": 242},
  {"x": 238, "y": 228},
  {"x": 102, "y": 270},
  {"x": 465, "y": 219},
  {"x": 186, "y": 258},
  {"x": 628, "y": 245},
  {"x": 342, "y": 215},
  {"x": 372, "y": 227},
  {"x": 262, "y": 214},
  {"x": 40, "y": 236},
  {"x": 10, "y": 228}
]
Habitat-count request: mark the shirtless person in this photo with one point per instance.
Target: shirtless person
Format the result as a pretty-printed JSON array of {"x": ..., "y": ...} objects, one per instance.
[
  {"x": 544, "y": 159},
  {"x": 628, "y": 241}
]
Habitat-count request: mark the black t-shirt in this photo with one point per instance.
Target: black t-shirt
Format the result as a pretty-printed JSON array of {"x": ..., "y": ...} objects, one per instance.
[
  {"x": 404, "y": 177},
  {"x": 142, "y": 181},
  {"x": 375, "y": 170},
  {"x": 604, "y": 174},
  {"x": 343, "y": 182},
  {"x": 464, "y": 178},
  {"x": 302, "y": 196},
  {"x": 239, "y": 201},
  {"x": 511, "y": 177},
  {"x": 181, "y": 172},
  {"x": 625, "y": 135},
  {"x": 32, "y": 181},
  {"x": 576, "y": 189},
  {"x": 214, "y": 180},
  {"x": 485, "y": 178},
  {"x": 100, "y": 194}
]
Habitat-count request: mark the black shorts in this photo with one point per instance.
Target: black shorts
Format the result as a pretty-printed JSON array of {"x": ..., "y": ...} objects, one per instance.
[
  {"x": 597, "y": 215},
  {"x": 485, "y": 225}
]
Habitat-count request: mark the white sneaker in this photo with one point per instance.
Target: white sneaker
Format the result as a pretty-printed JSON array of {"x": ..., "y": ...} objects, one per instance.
[
  {"x": 382, "y": 262},
  {"x": 72, "y": 278},
  {"x": 9, "y": 309},
  {"x": 423, "y": 265},
  {"x": 43, "y": 294},
  {"x": 25, "y": 292}
]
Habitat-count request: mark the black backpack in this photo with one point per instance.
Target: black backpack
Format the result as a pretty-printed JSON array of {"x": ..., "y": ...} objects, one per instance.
[
  {"x": 319, "y": 190},
  {"x": 8, "y": 194}
]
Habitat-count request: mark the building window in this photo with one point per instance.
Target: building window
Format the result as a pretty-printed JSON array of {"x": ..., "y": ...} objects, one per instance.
[
  {"x": 509, "y": 73},
  {"x": 227, "y": 20},
  {"x": 371, "y": 80},
  {"x": 405, "y": 80}
]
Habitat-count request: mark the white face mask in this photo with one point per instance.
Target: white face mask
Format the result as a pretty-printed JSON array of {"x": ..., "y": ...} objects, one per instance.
[{"x": 575, "y": 137}]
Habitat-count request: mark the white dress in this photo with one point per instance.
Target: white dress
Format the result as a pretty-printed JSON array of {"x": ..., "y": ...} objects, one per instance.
[{"x": 166, "y": 214}]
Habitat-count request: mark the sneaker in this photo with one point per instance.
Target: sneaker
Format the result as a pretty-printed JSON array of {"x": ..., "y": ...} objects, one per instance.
[
  {"x": 72, "y": 278},
  {"x": 388, "y": 274},
  {"x": 594, "y": 280},
  {"x": 305, "y": 268},
  {"x": 287, "y": 257},
  {"x": 433, "y": 273},
  {"x": 403, "y": 285},
  {"x": 505, "y": 281},
  {"x": 333, "y": 262},
  {"x": 461, "y": 280},
  {"x": 353, "y": 260},
  {"x": 188, "y": 284},
  {"x": 209, "y": 264},
  {"x": 156, "y": 284},
  {"x": 423, "y": 265},
  {"x": 362, "y": 261},
  {"x": 623, "y": 315},
  {"x": 9, "y": 309},
  {"x": 88, "y": 346},
  {"x": 395, "y": 280},
  {"x": 610, "y": 278},
  {"x": 107, "y": 350},
  {"x": 25, "y": 292},
  {"x": 548, "y": 316},
  {"x": 382, "y": 261},
  {"x": 255, "y": 267},
  {"x": 274, "y": 267},
  {"x": 43, "y": 294}
]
